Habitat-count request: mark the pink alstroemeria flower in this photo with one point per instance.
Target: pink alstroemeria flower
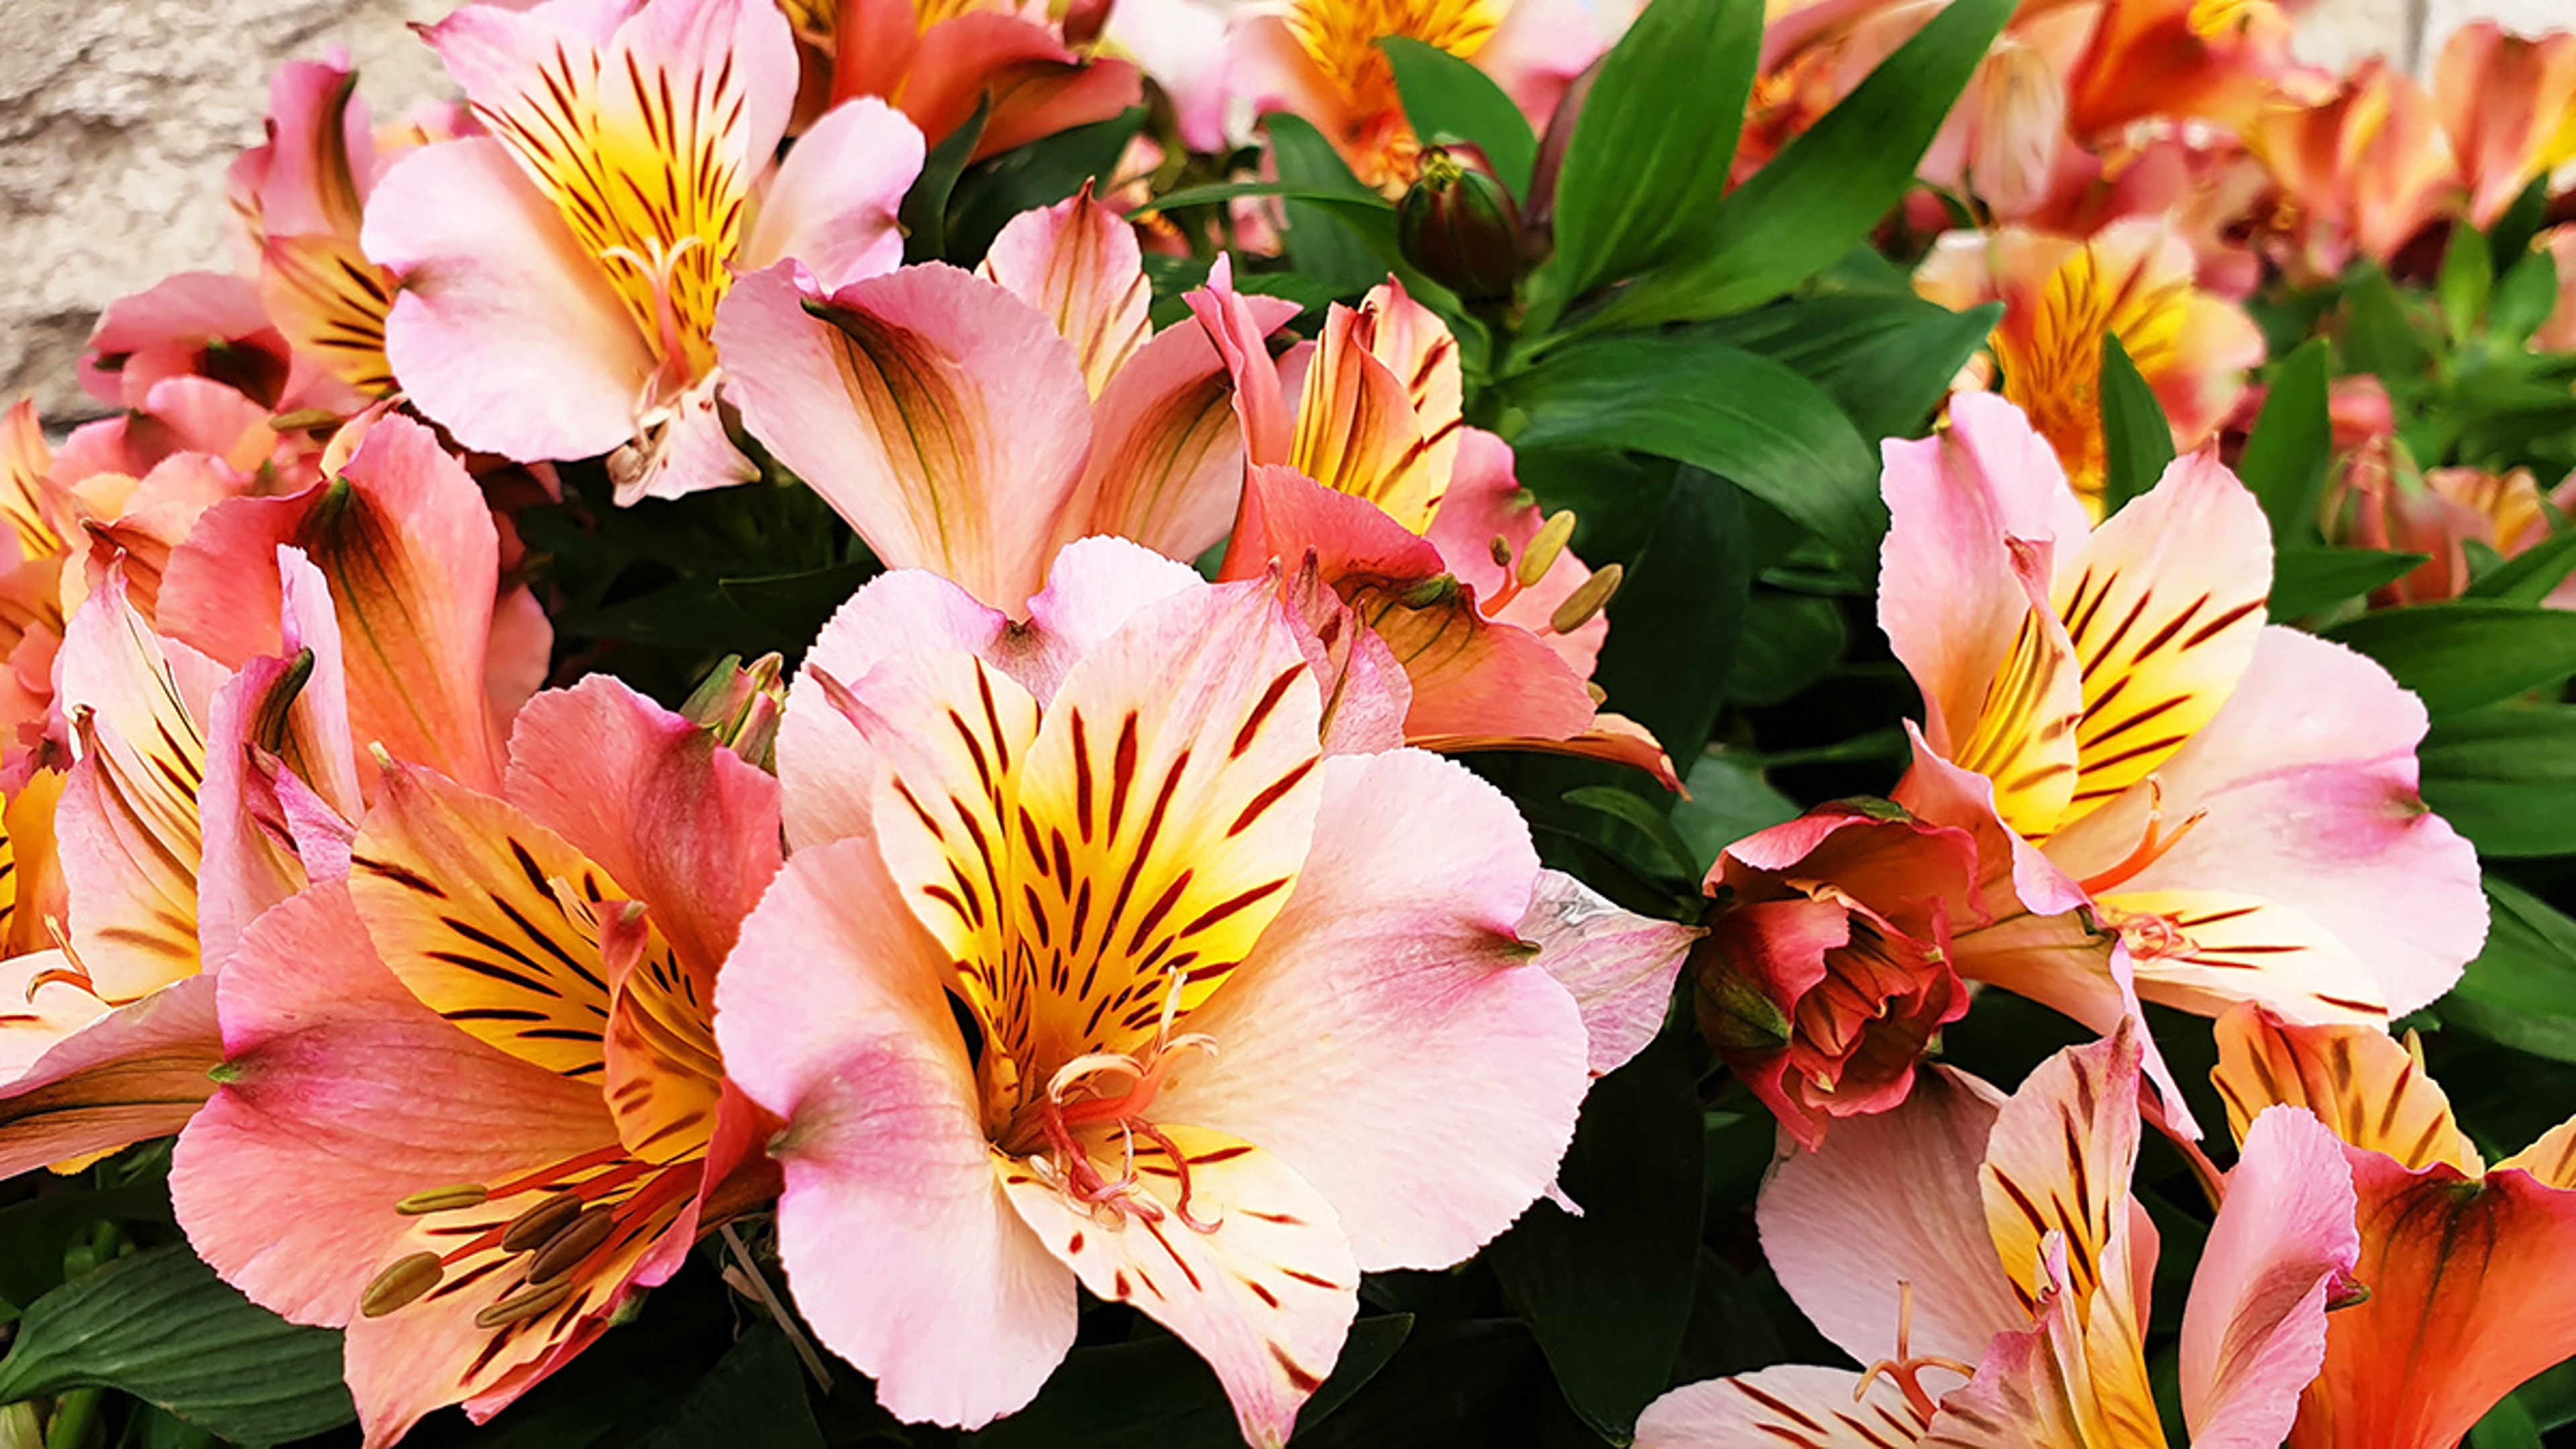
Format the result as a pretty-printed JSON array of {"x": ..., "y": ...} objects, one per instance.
[
  {"x": 559, "y": 277},
  {"x": 219, "y": 762},
  {"x": 1362, "y": 463},
  {"x": 2237, "y": 798},
  {"x": 937, "y": 61},
  {"x": 470, "y": 1099},
  {"x": 1971, "y": 1236},
  {"x": 974, "y": 423},
  {"x": 1095, "y": 965},
  {"x": 2462, "y": 1260},
  {"x": 2509, "y": 105}
]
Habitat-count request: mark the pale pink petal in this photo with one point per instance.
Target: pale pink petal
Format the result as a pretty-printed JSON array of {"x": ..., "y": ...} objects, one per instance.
[
  {"x": 1181, "y": 46},
  {"x": 938, "y": 413},
  {"x": 78, "y": 1088},
  {"x": 1238, "y": 325},
  {"x": 899, "y": 1243},
  {"x": 1166, "y": 465},
  {"x": 1392, "y": 1005},
  {"x": 1485, "y": 502},
  {"x": 504, "y": 331},
  {"x": 1266, "y": 1298},
  {"x": 1821, "y": 1408},
  {"x": 1078, "y": 263},
  {"x": 826, "y": 764},
  {"x": 1540, "y": 46},
  {"x": 2203, "y": 951},
  {"x": 1892, "y": 1199},
  {"x": 174, "y": 328},
  {"x": 2307, "y": 778},
  {"x": 292, "y": 706},
  {"x": 681, "y": 823},
  {"x": 409, "y": 547},
  {"x": 320, "y": 151},
  {"x": 830, "y": 206},
  {"x": 1094, "y": 586},
  {"x": 2254, "y": 1330},
  {"x": 1618, "y": 966}
]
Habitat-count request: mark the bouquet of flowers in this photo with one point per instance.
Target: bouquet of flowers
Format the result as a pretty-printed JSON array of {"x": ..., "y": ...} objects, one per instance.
[{"x": 893, "y": 722}]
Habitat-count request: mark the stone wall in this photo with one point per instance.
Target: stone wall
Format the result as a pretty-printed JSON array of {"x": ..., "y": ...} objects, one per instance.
[{"x": 118, "y": 118}]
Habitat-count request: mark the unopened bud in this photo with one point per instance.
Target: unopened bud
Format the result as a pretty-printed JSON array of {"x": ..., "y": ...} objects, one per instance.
[
  {"x": 1458, "y": 225},
  {"x": 1735, "y": 1015},
  {"x": 740, "y": 705}
]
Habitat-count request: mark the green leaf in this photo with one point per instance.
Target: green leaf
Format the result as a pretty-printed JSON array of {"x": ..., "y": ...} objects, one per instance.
[
  {"x": 1789, "y": 642},
  {"x": 1156, "y": 1390},
  {"x": 161, "y": 1326},
  {"x": 1742, "y": 417},
  {"x": 1645, "y": 172},
  {"x": 2137, "y": 443},
  {"x": 795, "y": 606},
  {"x": 924, "y": 213},
  {"x": 1449, "y": 100},
  {"x": 1886, "y": 360},
  {"x": 1823, "y": 194},
  {"x": 1675, "y": 622},
  {"x": 2508, "y": 1425},
  {"x": 1610, "y": 1293},
  {"x": 2286, "y": 458},
  {"x": 2505, "y": 777},
  {"x": 2521, "y": 991},
  {"x": 2529, "y": 576},
  {"x": 1729, "y": 800},
  {"x": 754, "y": 1395},
  {"x": 1327, "y": 241},
  {"x": 2380, "y": 332},
  {"x": 2463, "y": 654},
  {"x": 35, "y": 1235},
  {"x": 1620, "y": 805},
  {"x": 2467, "y": 277},
  {"x": 2524, "y": 297},
  {"x": 2308, "y": 580},
  {"x": 1041, "y": 173}
]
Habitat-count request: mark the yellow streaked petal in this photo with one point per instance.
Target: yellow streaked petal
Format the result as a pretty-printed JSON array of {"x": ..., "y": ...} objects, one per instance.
[
  {"x": 330, "y": 302},
  {"x": 2204, "y": 951},
  {"x": 460, "y": 895},
  {"x": 2023, "y": 738},
  {"x": 2368, "y": 1088}
]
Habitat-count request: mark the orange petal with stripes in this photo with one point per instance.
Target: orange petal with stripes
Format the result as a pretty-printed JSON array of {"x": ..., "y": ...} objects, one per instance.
[{"x": 2365, "y": 1085}]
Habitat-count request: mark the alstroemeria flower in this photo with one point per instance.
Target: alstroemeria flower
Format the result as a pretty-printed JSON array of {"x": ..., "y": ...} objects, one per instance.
[
  {"x": 299, "y": 201},
  {"x": 1969, "y": 1236},
  {"x": 974, "y": 423},
  {"x": 471, "y": 1100},
  {"x": 1836, "y": 953},
  {"x": 218, "y": 762},
  {"x": 2452, "y": 507},
  {"x": 2466, "y": 1263},
  {"x": 937, "y": 60},
  {"x": 2238, "y": 799},
  {"x": 2363, "y": 170},
  {"x": 2509, "y": 104},
  {"x": 1417, "y": 523},
  {"x": 559, "y": 277},
  {"x": 2221, "y": 61},
  {"x": 2558, "y": 334},
  {"x": 1095, "y": 966},
  {"x": 1319, "y": 59},
  {"x": 2135, "y": 279}
]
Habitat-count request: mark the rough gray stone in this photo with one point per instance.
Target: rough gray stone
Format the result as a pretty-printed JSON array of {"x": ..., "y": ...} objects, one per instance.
[{"x": 118, "y": 119}]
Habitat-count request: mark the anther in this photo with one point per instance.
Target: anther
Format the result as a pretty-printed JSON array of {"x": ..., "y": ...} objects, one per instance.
[
  {"x": 574, "y": 1243},
  {"x": 537, "y": 1226},
  {"x": 525, "y": 1304},
  {"x": 399, "y": 1284},
  {"x": 1590, "y": 599},
  {"x": 1541, "y": 554},
  {"x": 1500, "y": 550},
  {"x": 441, "y": 1199}
]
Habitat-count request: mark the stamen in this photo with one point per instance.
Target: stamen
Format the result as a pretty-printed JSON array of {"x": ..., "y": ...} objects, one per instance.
[
  {"x": 577, "y": 1241},
  {"x": 407, "y": 1279},
  {"x": 441, "y": 1199},
  {"x": 1584, "y": 602},
  {"x": 1905, "y": 1369},
  {"x": 537, "y": 1226},
  {"x": 1541, "y": 554},
  {"x": 525, "y": 1304},
  {"x": 2151, "y": 848}
]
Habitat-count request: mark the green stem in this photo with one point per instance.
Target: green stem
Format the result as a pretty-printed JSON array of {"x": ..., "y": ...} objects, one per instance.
[{"x": 75, "y": 1418}]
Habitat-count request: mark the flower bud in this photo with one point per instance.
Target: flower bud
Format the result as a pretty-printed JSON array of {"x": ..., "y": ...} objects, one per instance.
[
  {"x": 1459, "y": 226},
  {"x": 740, "y": 706}
]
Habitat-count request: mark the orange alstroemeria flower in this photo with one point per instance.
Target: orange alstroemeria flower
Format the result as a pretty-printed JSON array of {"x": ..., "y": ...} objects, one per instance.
[
  {"x": 2135, "y": 278},
  {"x": 2360, "y": 173},
  {"x": 2509, "y": 104},
  {"x": 2465, "y": 1263}
]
